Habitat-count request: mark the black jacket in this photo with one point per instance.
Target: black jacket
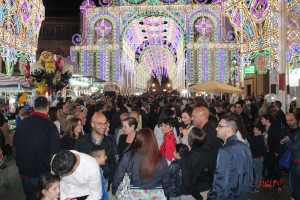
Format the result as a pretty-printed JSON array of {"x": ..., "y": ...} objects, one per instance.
[
  {"x": 175, "y": 178},
  {"x": 198, "y": 168},
  {"x": 213, "y": 142},
  {"x": 84, "y": 144}
]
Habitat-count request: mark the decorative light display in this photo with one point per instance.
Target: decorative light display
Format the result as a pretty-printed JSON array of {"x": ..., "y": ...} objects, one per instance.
[
  {"x": 188, "y": 41},
  {"x": 20, "y": 22}
]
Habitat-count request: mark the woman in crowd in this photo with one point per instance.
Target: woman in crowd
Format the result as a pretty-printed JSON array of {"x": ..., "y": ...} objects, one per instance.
[
  {"x": 186, "y": 118},
  {"x": 127, "y": 140},
  {"x": 241, "y": 131},
  {"x": 231, "y": 109},
  {"x": 53, "y": 117},
  {"x": 73, "y": 132},
  {"x": 148, "y": 169},
  {"x": 198, "y": 167},
  {"x": 273, "y": 145}
]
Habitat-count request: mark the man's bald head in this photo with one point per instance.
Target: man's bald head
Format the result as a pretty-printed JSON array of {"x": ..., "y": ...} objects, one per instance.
[
  {"x": 200, "y": 116},
  {"x": 291, "y": 120},
  {"x": 98, "y": 117}
]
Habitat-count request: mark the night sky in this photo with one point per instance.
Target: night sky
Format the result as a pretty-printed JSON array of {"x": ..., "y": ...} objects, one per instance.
[{"x": 62, "y": 8}]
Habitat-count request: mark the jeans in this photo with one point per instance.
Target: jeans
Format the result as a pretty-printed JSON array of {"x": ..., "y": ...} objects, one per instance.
[
  {"x": 294, "y": 180},
  {"x": 29, "y": 186},
  {"x": 258, "y": 167}
]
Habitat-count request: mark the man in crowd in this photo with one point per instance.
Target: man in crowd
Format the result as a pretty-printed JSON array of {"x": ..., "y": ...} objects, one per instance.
[
  {"x": 233, "y": 177},
  {"x": 200, "y": 117},
  {"x": 21, "y": 115},
  {"x": 62, "y": 114},
  {"x": 80, "y": 175},
  {"x": 36, "y": 140},
  {"x": 97, "y": 137}
]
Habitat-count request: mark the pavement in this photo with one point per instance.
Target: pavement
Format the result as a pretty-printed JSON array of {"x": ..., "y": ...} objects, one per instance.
[{"x": 14, "y": 190}]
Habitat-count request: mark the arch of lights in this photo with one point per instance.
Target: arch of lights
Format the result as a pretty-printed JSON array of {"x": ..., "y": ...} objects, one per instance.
[
  {"x": 128, "y": 41},
  {"x": 20, "y": 23}
]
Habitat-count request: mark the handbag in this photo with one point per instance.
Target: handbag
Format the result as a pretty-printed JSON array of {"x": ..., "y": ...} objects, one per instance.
[
  {"x": 123, "y": 191},
  {"x": 286, "y": 160}
]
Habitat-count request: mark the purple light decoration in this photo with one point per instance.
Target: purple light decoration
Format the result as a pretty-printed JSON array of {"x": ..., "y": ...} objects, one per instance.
[
  {"x": 221, "y": 66},
  {"x": 118, "y": 66},
  {"x": 72, "y": 54},
  {"x": 86, "y": 65},
  {"x": 259, "y": 8},
  {"x": 204, "y": 65},
  {"x": 204, "y": 26},
  {"x": 237, "y": 62},
  {"x": 206, "y": 13},
  {"x": 101, "y": 15},
  {"x": 102, "y": 65},
  {"x": 103, "y": 28}
]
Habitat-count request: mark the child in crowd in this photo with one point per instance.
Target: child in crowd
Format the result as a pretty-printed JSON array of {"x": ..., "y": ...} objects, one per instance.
[
  {"x": 257, "y": 146},
  {"x": 175, "y": 172},
  {"x": 98, "y": 152},
  {"x": 48, "y": 187},
  {"x": 169, "y": 140}
]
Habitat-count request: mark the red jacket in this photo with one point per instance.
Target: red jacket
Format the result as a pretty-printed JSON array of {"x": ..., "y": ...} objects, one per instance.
[{"x": 168, "y": 146}]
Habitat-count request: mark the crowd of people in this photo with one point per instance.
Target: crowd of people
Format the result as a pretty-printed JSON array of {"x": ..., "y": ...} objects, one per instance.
[{"x": 171, "y": 147}]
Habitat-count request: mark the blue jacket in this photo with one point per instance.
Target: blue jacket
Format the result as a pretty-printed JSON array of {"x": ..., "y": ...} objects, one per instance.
[
  {"x": 132, "y": 165},
  {"x": 233, "y": 177}
]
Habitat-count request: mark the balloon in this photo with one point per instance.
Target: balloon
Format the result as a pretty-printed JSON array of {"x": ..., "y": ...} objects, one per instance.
[
  {"x": 61, "y": 84},
  {"x": 22, "y": 98},
  {"x": 50, "y": 67},
  {"x": 37, "y": 72},
  {"x": 45, "y": 55},
  {"x": 41, "y": 87}
]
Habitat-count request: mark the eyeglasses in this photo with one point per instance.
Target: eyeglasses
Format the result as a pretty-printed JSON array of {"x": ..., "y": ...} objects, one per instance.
[
  {"x": 220, "y": 126},
  {"x": 101, "y": 123}
]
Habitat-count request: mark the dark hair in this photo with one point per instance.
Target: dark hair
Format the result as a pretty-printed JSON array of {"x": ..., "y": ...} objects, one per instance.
[
  {"x": 151, "y": 158},
  {"x": 200, "y": 101},
  {"x": 131, "y": 122},
  {"x": 240, "y": 124},
  {"x": 70, "y": 126},
  {"x": 77, "y": 104},
  {"x": 181, "y": 149},
  {"x": 240, "y": 102},
  {"x": 260, "y": 127},
  {"x": 267, "y": 117},
  {"x": 297, "y": 115},
  {"x": 230, "y": 107},
  {"x": 99, "y": 106},
  {"x": 95, "y": 150},
  {"x": 60, "y": 105},
  {"x": 197, "y": 137},
  {"x": 45, "y": 181},
  {"x": 213, "y": 120},
  {"x": 165, "y": 114},
  {"x": 278, "y": 104},
  {"x": 53, "y": 113},
  {"x": 188, "y": 110},
  {"x": 41, "y": 103},
  {"x": 232, "y": 122},
  {"x": 63, "y": 162},
  {"x": 170, "y": 121},
  {"x": 19, "y": 108}
]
